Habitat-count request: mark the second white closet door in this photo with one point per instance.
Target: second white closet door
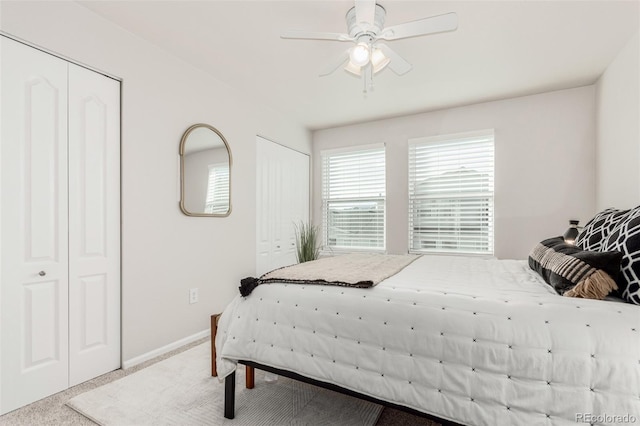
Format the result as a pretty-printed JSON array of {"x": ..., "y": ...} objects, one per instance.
[
  {"x": 282, "y": 202},
  {"x": 94, "y": 224}
]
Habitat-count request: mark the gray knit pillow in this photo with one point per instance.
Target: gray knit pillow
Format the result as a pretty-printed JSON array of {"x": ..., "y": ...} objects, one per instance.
[{"x": 574, "y": 272}]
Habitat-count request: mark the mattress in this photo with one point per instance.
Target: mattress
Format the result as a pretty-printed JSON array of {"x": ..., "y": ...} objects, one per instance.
[{"x": 475, "y": 341}]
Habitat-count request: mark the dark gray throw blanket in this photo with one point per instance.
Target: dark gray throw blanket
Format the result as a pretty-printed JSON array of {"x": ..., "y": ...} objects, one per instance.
[{"x": 360, "y": 270}]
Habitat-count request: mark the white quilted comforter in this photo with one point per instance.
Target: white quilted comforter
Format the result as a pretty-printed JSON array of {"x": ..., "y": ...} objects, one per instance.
[{"x": 480, "y": 342}]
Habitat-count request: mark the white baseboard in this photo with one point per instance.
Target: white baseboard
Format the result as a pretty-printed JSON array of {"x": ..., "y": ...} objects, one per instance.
[{"x": 164, "y": 349}]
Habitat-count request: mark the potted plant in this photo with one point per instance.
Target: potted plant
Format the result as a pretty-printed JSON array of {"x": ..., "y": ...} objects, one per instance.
[{"x": 307, "y": 239}]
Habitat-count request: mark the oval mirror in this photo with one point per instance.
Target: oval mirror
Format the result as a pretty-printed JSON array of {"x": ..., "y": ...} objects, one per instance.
[{"x": 205, "y": 172}]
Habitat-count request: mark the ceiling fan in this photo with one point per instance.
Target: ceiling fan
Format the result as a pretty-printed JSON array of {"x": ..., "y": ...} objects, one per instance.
[{"x": 369, "y": 55}]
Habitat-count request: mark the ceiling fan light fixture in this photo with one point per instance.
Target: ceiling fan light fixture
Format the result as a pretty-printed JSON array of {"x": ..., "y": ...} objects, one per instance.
[
  {"x": 353, "y": 69},
  {"x": 378, "y": 60},
  {"x": 366, "y": 28},
  {"x": 360, "y": 55}
]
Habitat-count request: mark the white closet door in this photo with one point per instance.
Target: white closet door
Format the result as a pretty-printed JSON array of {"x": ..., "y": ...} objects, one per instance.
[
  {"x": 295, "y": 202},
  {"x": 94, "y": 224},
  {"x": 265, "y": 182},
  {"x": 299, "y": 188},
  {"x": 282, "y": 201},
  {"x": 33, "y": 157}
]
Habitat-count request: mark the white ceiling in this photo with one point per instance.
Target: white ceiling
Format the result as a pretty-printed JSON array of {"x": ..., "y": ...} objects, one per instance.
[{"x": 501, "y": 49}]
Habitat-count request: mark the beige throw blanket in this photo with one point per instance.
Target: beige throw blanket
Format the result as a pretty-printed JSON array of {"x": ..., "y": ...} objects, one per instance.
[
  {"x": 361, "y": 270},
  {"x": 351, "y": 270}
]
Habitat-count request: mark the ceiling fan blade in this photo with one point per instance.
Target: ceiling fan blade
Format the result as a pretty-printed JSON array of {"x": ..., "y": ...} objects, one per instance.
[
  {"x": 365, "y": 11},
  {"x": 432, "y": 25},
  {"x": 335, "y": 63},
  {"x": 397, "y": 64},
  {"x": 312, "y": 35}
]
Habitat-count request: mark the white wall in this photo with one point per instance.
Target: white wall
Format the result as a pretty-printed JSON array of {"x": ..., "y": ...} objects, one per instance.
[
  {"x": 618, "y": 130},
  {"x": 164, "y": 253},
  {"x": 537, "y": 190}
]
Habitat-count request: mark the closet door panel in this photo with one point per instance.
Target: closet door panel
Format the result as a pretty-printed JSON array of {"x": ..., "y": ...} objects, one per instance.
[
  {"x": 277, "y": 210},
  {"x": 287, "y": 220},
  {"x": 294, "y": 203},
  {"x": 94, "y": 224},
  {"x": 33, "y": 225},
  {"x": 263, "y": 214},
  {"x": 299, "y": 187},
  {"x": 282, "y": 202}
]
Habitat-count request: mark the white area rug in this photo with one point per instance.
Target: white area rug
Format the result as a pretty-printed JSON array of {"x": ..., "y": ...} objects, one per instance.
[{"x": 181, "y": 391}]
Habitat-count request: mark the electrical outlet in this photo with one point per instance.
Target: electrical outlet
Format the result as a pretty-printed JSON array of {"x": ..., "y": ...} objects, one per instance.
[{"x": 193, "y": 295}]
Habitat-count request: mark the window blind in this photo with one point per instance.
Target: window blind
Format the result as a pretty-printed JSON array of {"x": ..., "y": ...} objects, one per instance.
[
  {"x": 217, "y": 200},
  {"x": 451, "y": 184},
  {"x": 353, "y": 198}
]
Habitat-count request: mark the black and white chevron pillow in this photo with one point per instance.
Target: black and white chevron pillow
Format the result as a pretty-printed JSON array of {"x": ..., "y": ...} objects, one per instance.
[
  {"x": 626, "y": 239},
  {"x": 596, "y": 231},
  {"x": 574, "y": 272}
]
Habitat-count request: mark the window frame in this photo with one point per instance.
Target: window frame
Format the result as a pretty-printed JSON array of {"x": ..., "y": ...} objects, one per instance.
[
  {"x": 477, "y": 197},
  {"x": 382, "y": 200}
]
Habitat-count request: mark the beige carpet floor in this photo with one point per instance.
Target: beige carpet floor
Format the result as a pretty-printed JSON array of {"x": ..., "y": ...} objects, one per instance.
[{"x": 52, "y": 411}]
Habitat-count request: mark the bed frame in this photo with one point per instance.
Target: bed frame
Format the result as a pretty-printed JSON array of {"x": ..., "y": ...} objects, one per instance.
[{"x": 230, "y": 383}]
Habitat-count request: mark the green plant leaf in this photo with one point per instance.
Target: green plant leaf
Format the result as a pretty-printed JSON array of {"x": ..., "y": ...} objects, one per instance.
[{"x": 307, "y": 247}]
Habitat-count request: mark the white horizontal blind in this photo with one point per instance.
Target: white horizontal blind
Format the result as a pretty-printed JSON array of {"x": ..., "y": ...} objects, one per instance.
[
  {"x": 217, "y": 200},
  {"x": 353, "y": 198},
  {"x": 451, "y": 183}
]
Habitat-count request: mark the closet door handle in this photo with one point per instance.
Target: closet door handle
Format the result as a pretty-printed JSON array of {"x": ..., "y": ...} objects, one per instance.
[{"x": 42, "y": 273}]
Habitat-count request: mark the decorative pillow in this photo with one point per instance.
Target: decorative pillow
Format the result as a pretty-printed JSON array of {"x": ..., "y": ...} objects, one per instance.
[
  {"x": 626, "y": 239},
  {"x": 596, "y": 231},
  {"x": 573, "y": 272}
]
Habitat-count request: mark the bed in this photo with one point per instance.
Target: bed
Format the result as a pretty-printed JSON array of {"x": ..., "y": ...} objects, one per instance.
[{"x": 462, "y": 339}]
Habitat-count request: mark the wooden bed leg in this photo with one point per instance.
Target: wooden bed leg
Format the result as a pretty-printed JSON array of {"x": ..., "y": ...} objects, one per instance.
[
  {"x": 251, "y": 377},
  {"x": 214, "y": 331},
  {"x": 230, "y": 396}
]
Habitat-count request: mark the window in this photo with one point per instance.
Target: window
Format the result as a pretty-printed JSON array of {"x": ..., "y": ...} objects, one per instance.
[
  {"x": 451, "y": 193},
  {"x": 217, "y": 200},
  {"x": 353, "y": 198}
]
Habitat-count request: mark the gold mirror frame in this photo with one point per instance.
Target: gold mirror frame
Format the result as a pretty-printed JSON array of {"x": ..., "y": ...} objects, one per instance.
[{"x": 183, "y": 142}]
